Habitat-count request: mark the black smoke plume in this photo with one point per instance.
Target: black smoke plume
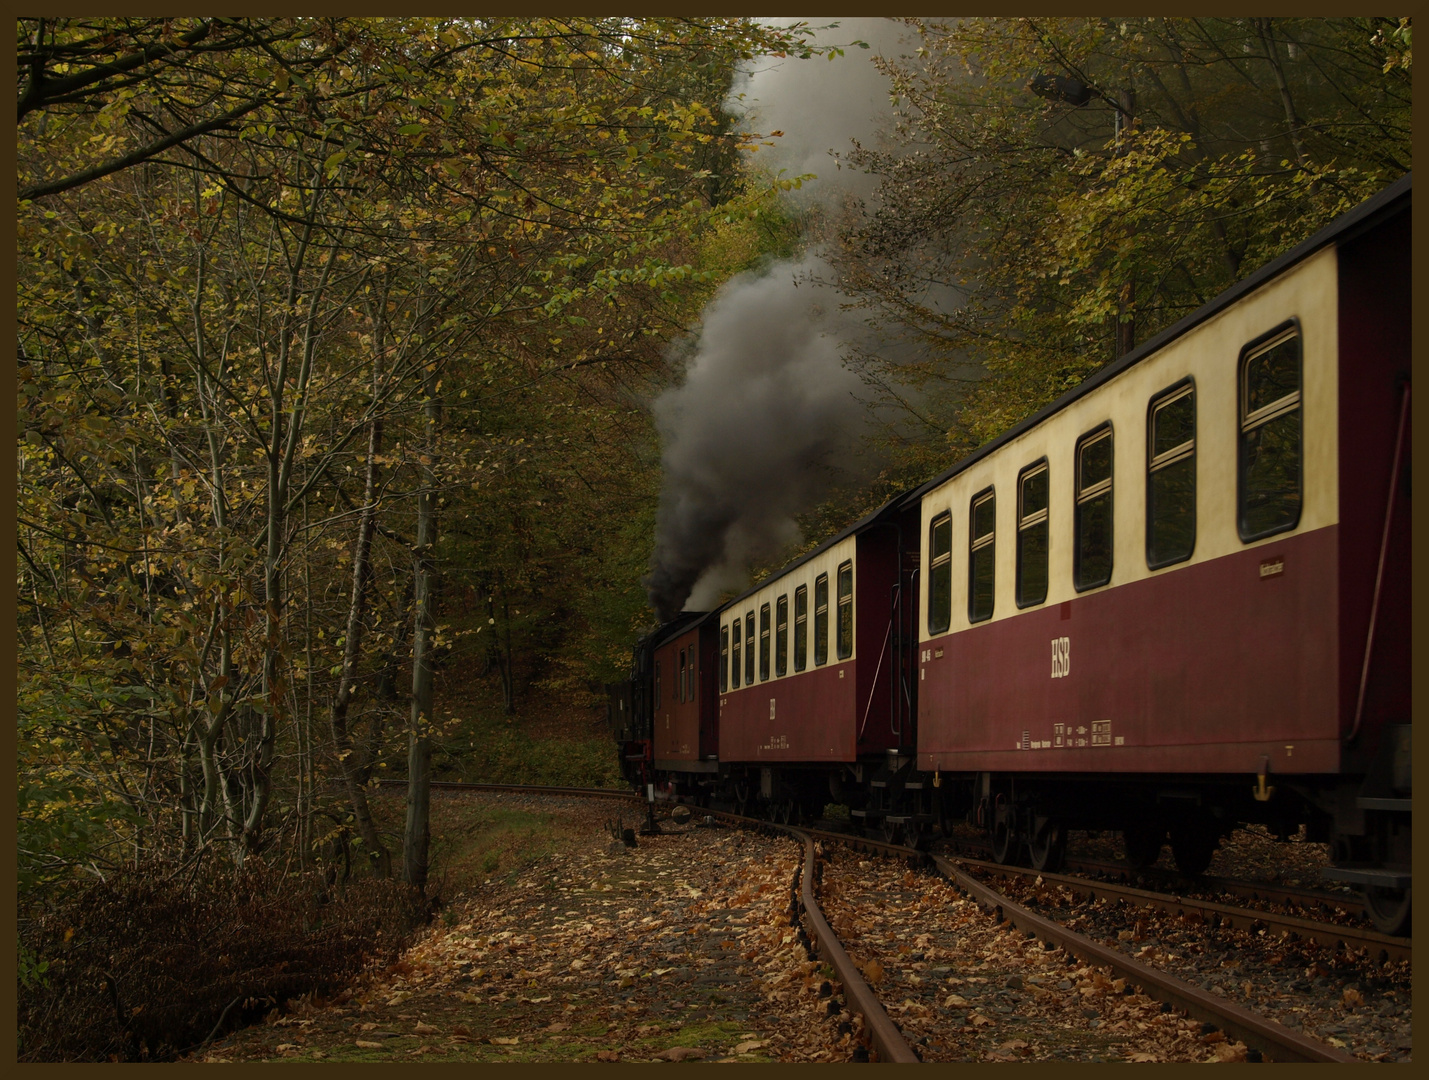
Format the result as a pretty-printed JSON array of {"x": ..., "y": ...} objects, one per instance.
[{"x": 767, "y": 414}]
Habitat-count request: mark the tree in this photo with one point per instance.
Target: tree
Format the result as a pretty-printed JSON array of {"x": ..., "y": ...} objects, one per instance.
[
  {"x": 1066, "y": 188},
  {"x": 240, "y": 356}
]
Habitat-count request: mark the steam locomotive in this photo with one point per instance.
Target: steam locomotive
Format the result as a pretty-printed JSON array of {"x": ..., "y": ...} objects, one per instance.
[{"x": 1175, "y": 601}]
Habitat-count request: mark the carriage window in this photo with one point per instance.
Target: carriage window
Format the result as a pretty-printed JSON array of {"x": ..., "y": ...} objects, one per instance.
[
  {"x": 723, "y": 659},
  {"x": 940, "y": 576},
  {"x": 981, "y": 548},
  {"x": 1091, "y": 553},
  {"x": 764, "y": 643},
  {"x": 1270, "y": 440},
  {"x": 749, "y": 648},
  {"x": 821, "y": 619},
  {"x": 781, "y": 636},
  {"x": 657, "y": 684},
  {"x": 690, "y": 676},
  {"x": 1171, "y": 477},
  {"x": 846, "y": 611},
  {"x": 734, "y": 653},
  {"x": 801, "y": 628},
  {"x": 1032, "y": 535},
  {"x": 682, "y": 676}
]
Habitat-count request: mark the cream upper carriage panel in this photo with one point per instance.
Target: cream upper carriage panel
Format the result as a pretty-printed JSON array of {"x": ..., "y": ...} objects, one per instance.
[
  {"x": 1210, "y": 354},
  {"x": 805, "y": 573}
]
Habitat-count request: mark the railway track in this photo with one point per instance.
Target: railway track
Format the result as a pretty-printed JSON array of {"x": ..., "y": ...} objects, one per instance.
[
  {"x": 1270, "y": 1039},
  {"x": 1274, "y": 1041},
  {"x": 1313, "y": 901},
  {"x": 1327, "y": 935}
]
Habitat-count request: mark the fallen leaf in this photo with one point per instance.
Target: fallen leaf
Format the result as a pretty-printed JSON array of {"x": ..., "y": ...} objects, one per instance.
[
  {"x": 287, "y": 1046},
  {"x": 1352, "y": 997},
  {"x": 873, "y": 972},
  {"x": 426, "y": 1029},
  {"x": 368, "y": 1044},
  {"x": 460, "y": 1029},
  {"x": 751, "y": 1044},
  {"x": 978, "y": 1020},
  {"x": 505, "y": 1040},
  {"x": 606, "y": 1055},
  {"x": 954, "y": 1001},
  {"x": 681, "y": 1053}
]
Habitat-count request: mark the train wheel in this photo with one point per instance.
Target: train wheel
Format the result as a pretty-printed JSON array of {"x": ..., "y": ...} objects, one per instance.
[
  {"x": 1142, "y": 844},
  {"x": 1389, "y": 909},
  {"x": 1004, "y": 841},
  {"x": 892, "y": 831},
  {"x": 743, "y": 798},
  {"x": 1192, "y": 845},
  {"x": 1048, "y": 847}
]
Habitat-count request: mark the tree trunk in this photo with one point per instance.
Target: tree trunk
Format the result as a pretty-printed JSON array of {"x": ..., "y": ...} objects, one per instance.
[
  {"x": 419, "y": 746},
  {"x": 377, "y": 853}
]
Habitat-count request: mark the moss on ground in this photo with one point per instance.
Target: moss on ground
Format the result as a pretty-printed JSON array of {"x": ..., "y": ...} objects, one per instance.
[{"x": 493, "y": 749}]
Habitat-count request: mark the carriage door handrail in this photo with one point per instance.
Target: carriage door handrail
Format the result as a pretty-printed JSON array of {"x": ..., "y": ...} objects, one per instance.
[
  {"x": 1379, "y": 573},
  {"x": 874, "y": 688}
]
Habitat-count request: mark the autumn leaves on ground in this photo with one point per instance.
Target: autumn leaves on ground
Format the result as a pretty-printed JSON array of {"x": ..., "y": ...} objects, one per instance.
[
  {"x": 561, "y": 944},
  {"x": 337, "y": 341}
]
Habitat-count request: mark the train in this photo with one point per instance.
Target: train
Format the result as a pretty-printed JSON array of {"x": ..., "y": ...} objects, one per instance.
[{"x": 1174, "y": 602}]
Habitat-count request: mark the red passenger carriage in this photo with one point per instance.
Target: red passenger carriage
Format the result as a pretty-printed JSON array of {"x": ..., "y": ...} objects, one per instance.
[{"x": 1174, "y": 601}]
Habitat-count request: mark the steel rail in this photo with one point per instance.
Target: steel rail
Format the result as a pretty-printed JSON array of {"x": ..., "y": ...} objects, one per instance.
[
  {"x": 1325, "y": 934},
  {"x": 1269, "y": 892},
  {"x": 536, "y": 789},
  {"x": 883, "y": 1032},
  {"x": 1273, "y": 1040},
  {"x": 887, "y": 1040}
]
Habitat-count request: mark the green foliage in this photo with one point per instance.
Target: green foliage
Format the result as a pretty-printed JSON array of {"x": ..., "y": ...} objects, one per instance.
[
  {"x": 63, "y": 819},
  {"x": 32, "y": 971}
]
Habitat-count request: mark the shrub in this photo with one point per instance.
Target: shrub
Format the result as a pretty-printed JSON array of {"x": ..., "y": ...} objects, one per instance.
[{"x": 146, "y": 965}]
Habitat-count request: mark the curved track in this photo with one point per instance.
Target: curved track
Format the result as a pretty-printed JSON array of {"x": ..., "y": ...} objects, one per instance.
[{"x": 1274, "y": 1041}]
